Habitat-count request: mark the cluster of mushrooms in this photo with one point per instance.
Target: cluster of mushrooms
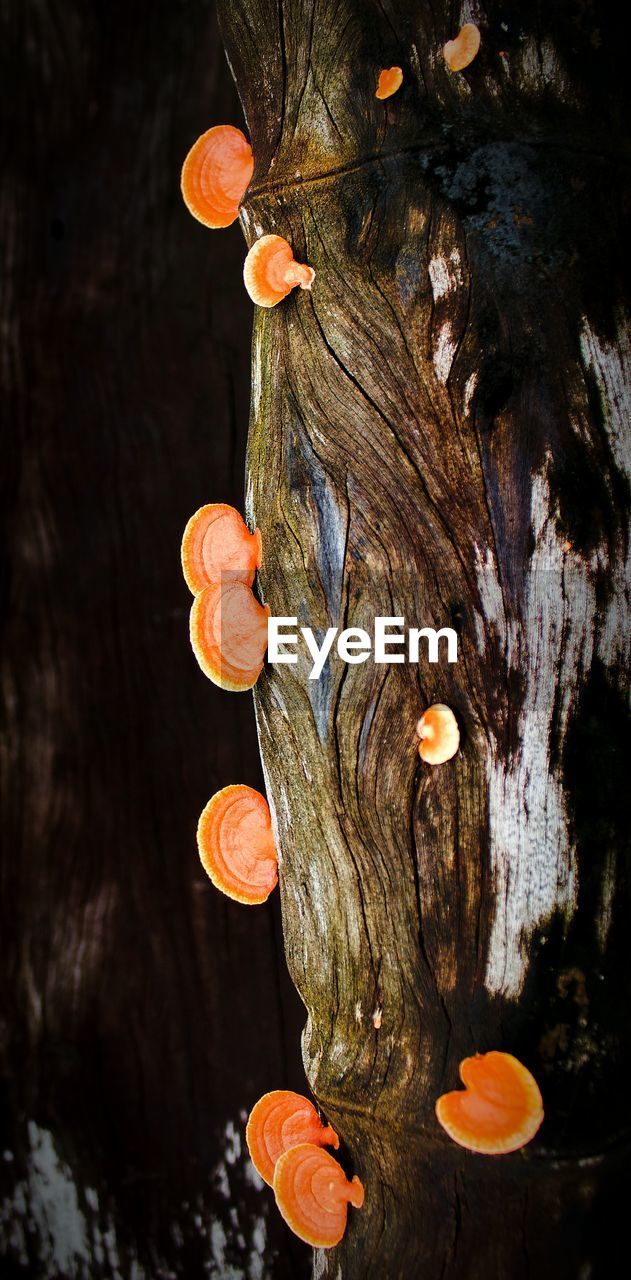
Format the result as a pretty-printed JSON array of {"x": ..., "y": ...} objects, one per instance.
[{"x": 500, "y": 1108}]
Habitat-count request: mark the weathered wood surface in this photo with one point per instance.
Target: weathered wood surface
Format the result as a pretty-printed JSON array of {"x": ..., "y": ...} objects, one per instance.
[
  {"x": 142, "y": 1013},
  {"x": 438, "y": 431}
]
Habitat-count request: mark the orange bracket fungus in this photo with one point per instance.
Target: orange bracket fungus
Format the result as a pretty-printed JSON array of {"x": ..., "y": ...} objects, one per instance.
[
  {"x": 390, "y": 79},
  {"x": 229, "y": 635},
  {"x": 216, "y": 175},
  {"x": 313, "y": 1194},
  {"x": 236, "y": 844},
  {"x": 271, "y": 272},
  {"x": 281, "y": 1120},
  {"x": 460, "y": 52},
  {"x": 217, "y": 545},
  {"x": 439, "y": 734},
  {"x": 499, "y": 1109}
]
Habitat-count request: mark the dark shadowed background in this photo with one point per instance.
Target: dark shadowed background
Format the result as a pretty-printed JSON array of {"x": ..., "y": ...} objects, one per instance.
[{"x": 142, "y": 1013}]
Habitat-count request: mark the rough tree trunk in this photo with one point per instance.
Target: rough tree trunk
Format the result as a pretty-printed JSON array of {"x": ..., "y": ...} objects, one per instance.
[{"x": 437, "y": 433}]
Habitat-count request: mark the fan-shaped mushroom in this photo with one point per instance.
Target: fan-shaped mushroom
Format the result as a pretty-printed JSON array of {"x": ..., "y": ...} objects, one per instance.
[
  {"x": 217, "y": 547},
  {"x": 236, "y": 844},
  {"x": 390, "y": 79},
  {"x": 229, "y": 635},
  {"x": 281, "y": 1120},
  {"x": 313, "y": 1194},
  {"x": 458, "y": 53},
  {"x": 499, "y": 1109},
  {"x": 216, "y": 174},
  {"x": 271, "y": 272},
  {"x": 439, "y": 734}
]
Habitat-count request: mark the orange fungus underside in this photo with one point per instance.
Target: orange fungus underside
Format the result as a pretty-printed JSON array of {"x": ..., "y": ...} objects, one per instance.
[
  {"x": 281, "y": 1120},
  {"x": 218, "y": 547},
  {"x": 271, "y": 272},
  {"x": 460, "y": 52},
  {"x": 236, "y": 844},
  {"x": 229, "y": 635},
  {"x": 313, "y": 1194},
  {"x": 439, "y": 734},
  {"x": 390, "y": 79},
  {"x": 216, "y": 174},
  {"x": 499, "y": 1109}
]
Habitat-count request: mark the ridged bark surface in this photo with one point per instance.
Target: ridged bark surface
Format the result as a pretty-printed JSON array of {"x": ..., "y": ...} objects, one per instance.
[{"x": 438, "y": 433}]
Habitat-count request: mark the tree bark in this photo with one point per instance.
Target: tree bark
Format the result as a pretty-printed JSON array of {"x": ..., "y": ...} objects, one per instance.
[
  {"x": 438, "y": 432},
  {"x": 141, "y": 1013}
]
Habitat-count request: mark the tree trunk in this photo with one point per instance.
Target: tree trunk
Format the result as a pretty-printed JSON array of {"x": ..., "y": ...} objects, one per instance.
[
  {"x": 141, "y": 1013},
  {"x": 437, "y": 433}
]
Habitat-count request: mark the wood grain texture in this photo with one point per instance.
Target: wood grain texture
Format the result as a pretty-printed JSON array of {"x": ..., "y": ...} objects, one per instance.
[
  {"x": 438, "y": 431},
  {"x": 142, "y": 1013}
]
